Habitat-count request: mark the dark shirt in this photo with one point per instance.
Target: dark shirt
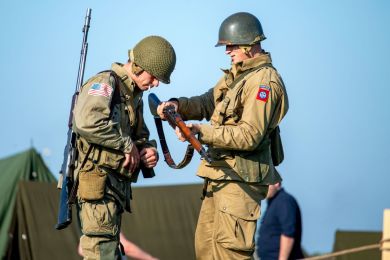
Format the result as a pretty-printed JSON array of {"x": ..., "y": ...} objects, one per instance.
[{"x": 281, "y": 217}]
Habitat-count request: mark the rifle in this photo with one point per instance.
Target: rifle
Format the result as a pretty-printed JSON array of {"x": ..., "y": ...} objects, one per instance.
[
  {"x": 174, "y": 119},
  {"x": 69, "y": 186}
]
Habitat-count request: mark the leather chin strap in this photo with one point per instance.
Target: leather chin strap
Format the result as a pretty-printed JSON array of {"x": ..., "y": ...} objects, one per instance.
[{"x": 167, "y": 155}]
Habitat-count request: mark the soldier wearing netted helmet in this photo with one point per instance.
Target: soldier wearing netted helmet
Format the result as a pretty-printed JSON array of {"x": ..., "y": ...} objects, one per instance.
[
  {"x": 244, "y": 108},
  {"x": 113, "y": 142}
]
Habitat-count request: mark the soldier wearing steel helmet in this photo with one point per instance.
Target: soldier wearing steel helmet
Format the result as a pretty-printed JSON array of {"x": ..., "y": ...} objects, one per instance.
[
  {"x": 244, "y": 109},
  {"x": 113, "y": 142}
]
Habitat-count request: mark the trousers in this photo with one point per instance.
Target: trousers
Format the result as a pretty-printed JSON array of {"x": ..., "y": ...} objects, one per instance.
[
  {"x": 227, "y": 220},
  {"x": 100, "y": 225}
]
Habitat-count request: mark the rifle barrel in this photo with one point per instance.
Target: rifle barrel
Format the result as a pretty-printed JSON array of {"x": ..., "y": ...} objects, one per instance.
[{"x": 70, "y": 153}]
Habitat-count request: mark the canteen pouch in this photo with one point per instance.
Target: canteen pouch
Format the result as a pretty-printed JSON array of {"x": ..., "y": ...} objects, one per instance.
[
  {"x": 277, "y": 152},
  {"x": 92, "y": 182}
]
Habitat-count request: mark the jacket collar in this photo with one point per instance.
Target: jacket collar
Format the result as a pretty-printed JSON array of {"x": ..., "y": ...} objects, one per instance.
[
  {"x": 121, "y": 72},
  {"x": 247, "y": 64}
]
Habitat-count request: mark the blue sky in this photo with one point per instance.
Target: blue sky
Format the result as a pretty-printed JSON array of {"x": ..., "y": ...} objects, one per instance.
[{"x": 333, "y": 56}]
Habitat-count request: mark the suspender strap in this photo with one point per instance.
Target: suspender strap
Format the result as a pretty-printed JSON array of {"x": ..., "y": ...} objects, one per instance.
[{"x": 226, "y": 100}]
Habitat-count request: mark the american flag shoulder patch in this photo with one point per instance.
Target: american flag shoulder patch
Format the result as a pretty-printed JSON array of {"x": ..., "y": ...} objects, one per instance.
[{"x": 100, "y": 89}]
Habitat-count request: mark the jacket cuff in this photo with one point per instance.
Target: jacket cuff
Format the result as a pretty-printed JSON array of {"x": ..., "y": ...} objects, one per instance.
[
  {"x": 128, "y": 145},
  {"x": 206, "y": 134},
  {"x": 151, "y": 143}
]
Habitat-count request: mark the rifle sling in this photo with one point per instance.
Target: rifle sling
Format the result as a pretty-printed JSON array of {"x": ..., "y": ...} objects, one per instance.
[
  {"x": 167, "y": 155},
  {"x": 164, "y": 147},
  {"x": 190, "y": 150}
]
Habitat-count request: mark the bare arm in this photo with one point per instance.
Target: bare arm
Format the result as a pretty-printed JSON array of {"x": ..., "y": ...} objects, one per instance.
[
  {"x": 286, "y": 244},
  {"x": 133, "y": 251}
]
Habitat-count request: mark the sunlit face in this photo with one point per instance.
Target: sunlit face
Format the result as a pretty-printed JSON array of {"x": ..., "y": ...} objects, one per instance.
[
  {"x": 144, "y": 80},
  {"x": 235, "y": 53}
]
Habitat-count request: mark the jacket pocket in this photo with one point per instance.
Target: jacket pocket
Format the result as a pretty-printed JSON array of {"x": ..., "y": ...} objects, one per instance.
[
  {"x": 254, "y": 166},
  {"x": 111, "y": 159}
]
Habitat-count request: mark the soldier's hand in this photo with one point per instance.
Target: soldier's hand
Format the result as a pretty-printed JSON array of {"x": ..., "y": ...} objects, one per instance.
[
  {"x": 132, "y": 159},
  {"x": 164, "y": 104},
  {"x": 149, "y": 157},
  {"x": 195, "y": 128}
]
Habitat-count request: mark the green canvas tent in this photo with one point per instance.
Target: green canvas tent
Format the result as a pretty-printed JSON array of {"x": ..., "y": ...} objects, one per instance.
[
  {"x": 32, "y": 229},
  {"x": 353, "y": 239},
  {"x": 27, "y": 165},
  {"x": 162, "y": 222}
]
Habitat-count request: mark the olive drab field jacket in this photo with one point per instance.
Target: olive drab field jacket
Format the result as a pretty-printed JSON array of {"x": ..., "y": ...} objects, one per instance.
[
  {"x": 244, "y": 107},
  {"x": 111, "y": 122}
]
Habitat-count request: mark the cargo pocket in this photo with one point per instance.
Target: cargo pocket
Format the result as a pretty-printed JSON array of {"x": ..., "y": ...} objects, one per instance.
[
  {"x": 92, "y": 182},
  {"x": 100, "y": 218},
  {"x": 237, "y": 217}
]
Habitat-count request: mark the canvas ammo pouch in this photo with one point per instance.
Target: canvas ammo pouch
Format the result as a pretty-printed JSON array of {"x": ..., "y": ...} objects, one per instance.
[
  {"x": 94, "y": 169},
  {"x": 92, "y": 182}
]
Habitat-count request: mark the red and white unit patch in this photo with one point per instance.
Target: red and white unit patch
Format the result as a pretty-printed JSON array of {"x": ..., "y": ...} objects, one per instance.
[{"x": 263, "y": 93}]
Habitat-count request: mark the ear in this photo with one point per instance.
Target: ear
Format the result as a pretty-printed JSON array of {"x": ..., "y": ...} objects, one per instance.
[{"x": 136, "y": 69}]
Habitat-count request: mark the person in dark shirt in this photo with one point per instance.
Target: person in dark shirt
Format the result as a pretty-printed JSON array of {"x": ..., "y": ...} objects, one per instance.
[{"x": 281, "y": 227}]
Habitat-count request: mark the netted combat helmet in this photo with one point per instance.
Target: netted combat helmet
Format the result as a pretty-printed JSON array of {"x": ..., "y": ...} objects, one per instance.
[
  {"x": 240, "y": 29},
  {"x": 155, "y": 55}
]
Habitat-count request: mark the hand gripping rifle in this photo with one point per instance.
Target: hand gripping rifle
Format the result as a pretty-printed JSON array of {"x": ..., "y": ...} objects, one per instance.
[
  {"x": 69, "y": 186},
  {"x": 174, "y": 119}
]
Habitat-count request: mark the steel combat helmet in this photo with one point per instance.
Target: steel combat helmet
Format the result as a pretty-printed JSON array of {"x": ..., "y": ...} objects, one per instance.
[
  {"x": 155, "y": 55},
  {"x": 240, "y": 29}
]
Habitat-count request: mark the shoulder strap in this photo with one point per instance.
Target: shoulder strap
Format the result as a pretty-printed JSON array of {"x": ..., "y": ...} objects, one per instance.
[{"x": 116, "y": 97}]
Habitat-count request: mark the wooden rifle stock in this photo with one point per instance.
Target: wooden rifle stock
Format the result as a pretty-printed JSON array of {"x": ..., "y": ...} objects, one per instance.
[{"x": 174, "y": 120}]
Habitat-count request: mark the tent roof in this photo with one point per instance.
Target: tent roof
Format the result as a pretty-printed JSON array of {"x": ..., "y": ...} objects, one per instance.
[{"x": 27, "y": 165}]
